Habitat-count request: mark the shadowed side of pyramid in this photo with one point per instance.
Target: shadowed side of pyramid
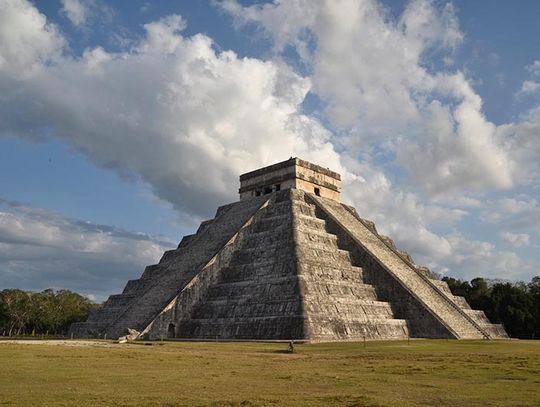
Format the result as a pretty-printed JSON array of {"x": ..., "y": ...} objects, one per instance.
[{"x": 143, "y": 299}]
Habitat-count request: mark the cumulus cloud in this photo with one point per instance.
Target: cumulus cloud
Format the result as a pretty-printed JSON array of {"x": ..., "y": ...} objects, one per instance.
[
  {"x": 371, "y": 72},
  {"x": 530, "y": 87},
  {"x": 534, "y": 68},
  {"x": 27, "y": 41},
  {"x": 76, "y": 11},
  {"x": 41, "y": 249},
  {"x": 472, "y": 258},
  {"x": 85, "y": 13},
  {"x": 516, "y": 239},
  {"x": 520, "y": 213},
  {"x": 185, "y": 118}
]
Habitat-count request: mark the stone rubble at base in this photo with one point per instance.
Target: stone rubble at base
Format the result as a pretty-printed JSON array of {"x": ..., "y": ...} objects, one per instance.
[{"x": 288, "y": 261}]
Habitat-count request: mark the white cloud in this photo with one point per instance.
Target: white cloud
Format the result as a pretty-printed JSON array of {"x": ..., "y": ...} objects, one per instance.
[
  {"x": 523, "y": 144},
  {"x": 521, "y": 213},
  {"x": 76, "y": 11},
  {"x": 472, "y": 258},
  {"x": 534, "y": 68},
  {"x": 515, "y": 239},
  {"x": 529, "y": 87},
  {"x": 182, "y": 116},
  {"x": 188, "y": 119},
  {"x": 370, "y": 72},
  {"x": 41, "y": 249},
  {"x": 396, "y": 213},
  {"x": 27, "y": 41}
]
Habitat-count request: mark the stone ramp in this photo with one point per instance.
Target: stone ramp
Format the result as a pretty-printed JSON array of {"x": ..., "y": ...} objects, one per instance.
[
  {"x": 437, "y": 302},
  {"x": 147, "y": 296}
]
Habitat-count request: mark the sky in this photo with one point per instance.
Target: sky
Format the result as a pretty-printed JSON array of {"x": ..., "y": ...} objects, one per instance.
[{"x": 125, "y": 124}]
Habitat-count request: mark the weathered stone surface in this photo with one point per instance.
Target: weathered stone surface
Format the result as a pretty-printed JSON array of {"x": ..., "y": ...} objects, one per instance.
[
  {"x": 288, "y": 265},
  {"x": 428, "y": 305},
  {"x": 144, "y": 298}
]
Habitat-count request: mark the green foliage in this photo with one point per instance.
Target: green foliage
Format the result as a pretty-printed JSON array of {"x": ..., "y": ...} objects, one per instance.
[
  {"x": 44, "y": 313},
  {"x": 515, "y": 305}
]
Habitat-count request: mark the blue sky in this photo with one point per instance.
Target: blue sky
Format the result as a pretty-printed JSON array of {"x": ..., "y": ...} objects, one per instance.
[{"x": 124, "y": 124}]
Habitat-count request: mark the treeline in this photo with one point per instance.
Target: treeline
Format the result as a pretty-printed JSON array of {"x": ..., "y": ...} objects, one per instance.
[
  {"x": 45, "y": 313},
  {"x": 515, "y": 305}
]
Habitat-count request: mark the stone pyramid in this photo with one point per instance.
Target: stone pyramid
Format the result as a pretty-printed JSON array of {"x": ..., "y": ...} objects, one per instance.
[{"x": 288, "y": 261}]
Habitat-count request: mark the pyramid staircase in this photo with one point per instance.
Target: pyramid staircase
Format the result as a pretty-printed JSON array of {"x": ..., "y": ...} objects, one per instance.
[{"x": 290, "y": 280}]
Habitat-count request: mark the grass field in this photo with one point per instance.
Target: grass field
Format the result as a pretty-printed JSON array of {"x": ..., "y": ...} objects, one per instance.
[{"x": 430, "y": 373}]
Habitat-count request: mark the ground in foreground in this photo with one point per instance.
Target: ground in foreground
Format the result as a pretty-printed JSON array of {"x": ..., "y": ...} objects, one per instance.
[{"x": 422, "y": 372}]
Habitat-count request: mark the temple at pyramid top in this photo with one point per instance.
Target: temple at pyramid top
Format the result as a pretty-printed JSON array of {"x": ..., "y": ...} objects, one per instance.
[{"x": 292, "y": 173}]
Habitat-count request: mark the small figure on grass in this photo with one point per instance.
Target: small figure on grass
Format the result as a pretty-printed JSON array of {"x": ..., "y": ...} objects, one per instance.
[{"x": 290, "y": 349}]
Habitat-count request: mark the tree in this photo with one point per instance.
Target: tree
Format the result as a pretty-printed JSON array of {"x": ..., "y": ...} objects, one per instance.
[
  {"x": 512, "y": 306},
  {"x": 47, "y": 312},
  {"x": 17, "y": 304},
  {"x": 534, "y": 291},
  {"x": 458, "y": 287},
  {"x": 4, "y": 318},
  {"x": 515, "y": 305}
]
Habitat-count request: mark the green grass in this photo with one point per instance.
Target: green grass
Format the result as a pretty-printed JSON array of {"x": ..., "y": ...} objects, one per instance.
[{"x": 440, "y": 373}]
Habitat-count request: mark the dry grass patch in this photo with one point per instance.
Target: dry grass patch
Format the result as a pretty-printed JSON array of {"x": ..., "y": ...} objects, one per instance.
[{"x": 443, "y": 373}]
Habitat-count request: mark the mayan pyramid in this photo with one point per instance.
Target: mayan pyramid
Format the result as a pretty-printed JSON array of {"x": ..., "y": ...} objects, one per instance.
[{"x": 287, "y": 261}]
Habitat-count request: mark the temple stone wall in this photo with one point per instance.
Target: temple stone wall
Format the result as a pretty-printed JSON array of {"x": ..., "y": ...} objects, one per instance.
[{"x": 293, "y": 173}]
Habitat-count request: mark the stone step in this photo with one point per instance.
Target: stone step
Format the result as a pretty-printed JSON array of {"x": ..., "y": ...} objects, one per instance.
[
  {"x": 495, "y": 330},
  {"x": 247, "y": 308},
  {"x": 316, "y": 237},
  {"x": 319, "y": 269},
  {"x": 333, "y": 291},
  {"x": 310, "y": 222},
  {"x": 274, "y": 240},
  {"x": 185, "y": 240},
  {"x": 442, "y": 285},
  {"x": 106, "y": 315},
  {"x": 152, "y": 270},
  {"x": 263, "y": 268},
  {"x": 323, "y": 328},
  {"x": 319, "y": 253},
  {"x": 347, "y": 307},
  {"x": 478, "y": 316},
  {"x": 461, "y": 302},
  {"x": 248, "y": 255},
  {"x": 303, "y": 208},
  {"x": 119, "y": 300},
  {"x": 329, "y": 246},
  {"x": 267, "y": 327},
  {"x": 267, "y": 223},
  {"x": 270, "y": 287}
]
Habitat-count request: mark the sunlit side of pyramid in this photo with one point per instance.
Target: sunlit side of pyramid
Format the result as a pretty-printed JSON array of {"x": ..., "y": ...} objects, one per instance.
[{"x": 288, "y": 261}]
